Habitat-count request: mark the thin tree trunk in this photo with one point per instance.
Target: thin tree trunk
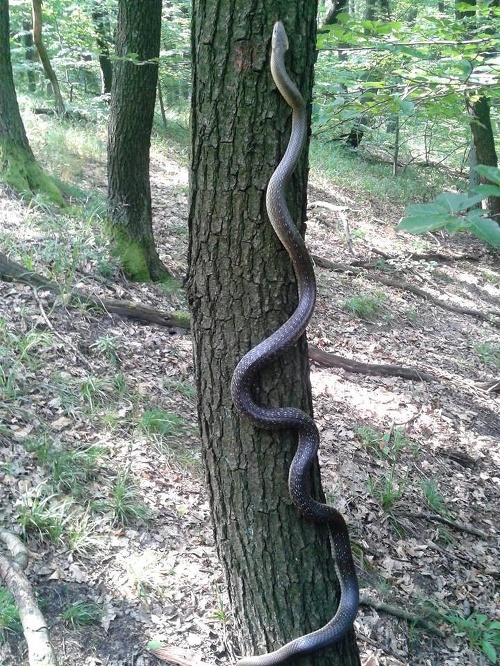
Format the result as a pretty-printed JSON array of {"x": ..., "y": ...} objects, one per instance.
[
  {"x": 44, "y": 58},
  {"x": 18, "y": 166},
  {"x": 478, "y": 108},
  {"x": 484, "y": 144},
  {"x": 29, "y": 55},
  {"x": 337, "y": 7},
  {"x": 129, "y": 135},
  {"x": 162, "y": 107},
  {"x": 278, "y": 567},
  {"x": 103, "y": 41}
]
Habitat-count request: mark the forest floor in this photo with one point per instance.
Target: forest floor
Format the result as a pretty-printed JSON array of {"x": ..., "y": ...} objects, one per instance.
[{"x": 100, "y": 459}]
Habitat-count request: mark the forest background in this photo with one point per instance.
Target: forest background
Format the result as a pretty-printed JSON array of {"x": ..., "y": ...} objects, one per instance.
[{"x": 98, "y": 455}]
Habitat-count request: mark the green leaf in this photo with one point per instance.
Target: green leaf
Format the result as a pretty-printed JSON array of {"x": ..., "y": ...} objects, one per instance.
[
  {"x": 430, "y": 208},
  {"x": 453, "y": 202},
  {"x": 490, "y": 172},
  {"x": 406, "y": 106},
  {"x": 489, "y": 651},
  {"x": 487, "y": 191},
  {"x": 476, "y": 198},
  {"x": 420, "y": 224},
  {"x": 484, "y": 228},
  {"x": 494, "y": 625}
]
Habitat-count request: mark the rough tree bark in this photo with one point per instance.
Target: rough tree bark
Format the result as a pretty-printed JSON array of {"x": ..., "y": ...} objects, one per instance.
[
  {"x": 484, "y": 144},
  {"x": 133, "y": 96},
  {"x": 44, "y": 56},
  {"x": 377, "y": 9},
  {"x": 18, "y": 167},
  {"x": 278, "y": 567},
  {"x": 478, "y": 107}
]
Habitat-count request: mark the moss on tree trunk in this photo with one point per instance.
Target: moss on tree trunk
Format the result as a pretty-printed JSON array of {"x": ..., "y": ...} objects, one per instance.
[
  {"x": 18, "y": 166},
  {"x": 131, "y": 120}
]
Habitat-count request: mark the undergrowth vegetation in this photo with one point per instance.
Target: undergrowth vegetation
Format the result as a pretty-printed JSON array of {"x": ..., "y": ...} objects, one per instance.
[{"x": 75, "y": 423}]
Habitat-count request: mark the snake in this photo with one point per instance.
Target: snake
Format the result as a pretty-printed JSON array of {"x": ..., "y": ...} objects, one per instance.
[{"x": 248, "y": 368}]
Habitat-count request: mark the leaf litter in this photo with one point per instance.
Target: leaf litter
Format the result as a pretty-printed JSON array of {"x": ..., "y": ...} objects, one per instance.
[{"x": 394, "y": 453}]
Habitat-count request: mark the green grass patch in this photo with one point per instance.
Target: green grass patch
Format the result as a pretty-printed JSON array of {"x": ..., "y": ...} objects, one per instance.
[
  {"x": 384, "y": 445},
  {"x": 387, "y": 491},
  {"x": 184, "y": 388},
  {"x": 350, "y": 169},
  {"x": 433, "y": 498},
  {"x": 480, "y": 632},
  {"x": 124, "y": 501},
  {"x": 81, "y": 613},
  {"x": 10, "y": 622},
  {"x": 365, "y": 306},
  {"x": 489, "y": 353},
  {"x": 41, "y": 513},
  {"x": 156, "y": 421}
]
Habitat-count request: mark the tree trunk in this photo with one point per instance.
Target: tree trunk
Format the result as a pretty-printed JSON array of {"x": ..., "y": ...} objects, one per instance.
[
  {"x": 484, "y": 144},
  {"x": 18, "y": 167},
  {"x": 338, "y": 7},
  {"x": 129, "y": 135},
  {"x": 279, "y": 569},
  {"x": 377, "y": 9},
  {"x": 44, "y": 57},
  {"x": 29, "y": 52},
  {"x": 103, "y": 40},
  {"x": 478, "y": 108}
]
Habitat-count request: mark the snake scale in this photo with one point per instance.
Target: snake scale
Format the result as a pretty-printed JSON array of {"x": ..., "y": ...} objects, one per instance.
[{"x": 284, "y": 417}]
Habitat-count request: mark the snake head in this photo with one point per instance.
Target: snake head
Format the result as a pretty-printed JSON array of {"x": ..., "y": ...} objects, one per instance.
[{"x": 279, "y": 40}]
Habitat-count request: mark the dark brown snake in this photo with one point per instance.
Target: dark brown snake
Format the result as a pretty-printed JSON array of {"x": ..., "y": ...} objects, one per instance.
[{"x": 284, "y": 417}]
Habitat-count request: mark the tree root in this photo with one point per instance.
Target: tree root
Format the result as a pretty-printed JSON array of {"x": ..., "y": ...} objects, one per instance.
[
  {"x": 491, "y": 386},
  {"x": 333, "y": 361},
  {"x": 11, "y": 270},
  {"x": 36, "y": 633}
]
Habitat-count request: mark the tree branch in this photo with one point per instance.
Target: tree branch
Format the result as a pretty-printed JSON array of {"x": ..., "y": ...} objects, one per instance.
[
  {"x": 11, "y": 270},
  {"x": 400, "y": 284},
  {"x": 403, "y": 614},
  {"x": 36, "y": 633},
  {"x": 333, "y": 361}
]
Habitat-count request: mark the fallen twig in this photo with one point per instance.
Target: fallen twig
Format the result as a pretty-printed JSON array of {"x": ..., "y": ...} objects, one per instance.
[
  {"x": 67, "y": 343},
  {"x": 446, "y": 521},
  {"x": 491, "y": 386},
  {"x": 175, "y": 655},
  {"x": 403, "y": 614},
  {"x": 333, "y": 361}
]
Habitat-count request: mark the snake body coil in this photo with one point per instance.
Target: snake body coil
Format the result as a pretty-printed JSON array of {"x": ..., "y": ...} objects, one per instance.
[{"x": 280, "y": 418}]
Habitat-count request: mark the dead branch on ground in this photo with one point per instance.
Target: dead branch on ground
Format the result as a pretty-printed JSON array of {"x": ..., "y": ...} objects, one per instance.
[
  {"x": 333, "y": 361},
  {"x": 403, "y": 614},
  {"x": 446, "y": 521},
  {"x": 401, "y": 284},
  {"x": 36, "y": 633},
  {"x": 12, "y": 271}
]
